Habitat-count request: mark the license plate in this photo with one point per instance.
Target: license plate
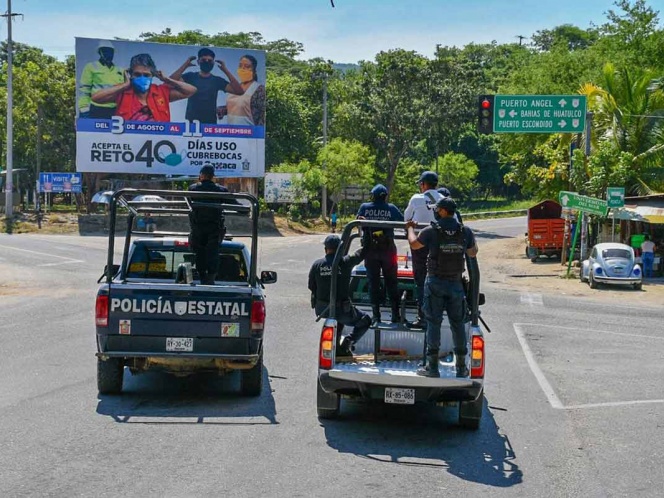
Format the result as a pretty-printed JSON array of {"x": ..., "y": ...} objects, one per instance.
[
  {"x": 180, "y": 344},
  {"x": 399, "y": 396}
]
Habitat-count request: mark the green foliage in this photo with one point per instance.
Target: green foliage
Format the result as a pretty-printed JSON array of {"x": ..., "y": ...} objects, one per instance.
[{"x": 457, "y": 173}]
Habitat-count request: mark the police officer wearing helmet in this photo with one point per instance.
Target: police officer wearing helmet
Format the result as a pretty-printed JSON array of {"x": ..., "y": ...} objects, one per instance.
[
  {"x": 447, "y": 242},
  {"x": 381, "y": 251},
  {"x": 445, "y": 192},
  {"x": 207, "y": 226},
  {"x": 320, "y": 280},
  {"x": 420, "y": 210}
]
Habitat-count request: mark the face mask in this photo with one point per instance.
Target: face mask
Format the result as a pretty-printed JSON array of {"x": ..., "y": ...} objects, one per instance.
[
  {"x": 141, "y": 83},
  {"x": 106, "y": 55},
  {"x": 206, "y": 66},
  {"x": 245, "y": 75}
]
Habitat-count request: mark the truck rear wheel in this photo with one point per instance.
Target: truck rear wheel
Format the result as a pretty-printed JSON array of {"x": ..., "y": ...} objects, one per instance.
[
  {"x": 110, "y": 373},
  {"x": 251, "y": 380},
  {"x": 470, "y": 413},
  {"x": 328, "y": 405}
]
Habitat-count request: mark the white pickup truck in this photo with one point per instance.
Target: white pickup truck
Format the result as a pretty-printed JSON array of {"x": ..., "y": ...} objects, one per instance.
[{"x": 385, "y": 360}]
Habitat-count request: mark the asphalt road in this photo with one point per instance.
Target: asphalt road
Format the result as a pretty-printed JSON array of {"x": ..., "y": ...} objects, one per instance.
[{"x": 574, "y": 399}]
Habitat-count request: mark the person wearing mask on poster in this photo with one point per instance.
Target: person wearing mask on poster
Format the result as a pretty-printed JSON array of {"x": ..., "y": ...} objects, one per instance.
[
  {"x": 138, "y": 98},
  {"x": 202, "y": 106},
  {"x": 381, "y": 254},
  {"x": 207, "y": 227},
  {"x": 447, "y": 243},
  {"x": 96, "y": 76},
  {"x": 248, "y": 108},
  {"x": 420, "y": 210}
]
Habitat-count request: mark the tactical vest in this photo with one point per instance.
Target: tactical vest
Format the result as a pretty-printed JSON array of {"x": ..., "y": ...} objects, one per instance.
[{"x": 446, "y": 258}]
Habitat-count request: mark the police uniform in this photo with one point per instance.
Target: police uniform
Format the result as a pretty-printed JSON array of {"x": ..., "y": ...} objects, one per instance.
[
  {"x": 207, "y": 230},
  {"x": 320, "y": 278},
  {"x": 419, "y": 209},
  {"x": 381, "y": 251},
  {"x": 446, "y": 242}
]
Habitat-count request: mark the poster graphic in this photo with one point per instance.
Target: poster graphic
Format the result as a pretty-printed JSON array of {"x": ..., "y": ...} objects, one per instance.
[
  {"x": 153, "y": 108},
  {"x": 279, "y": 188}
]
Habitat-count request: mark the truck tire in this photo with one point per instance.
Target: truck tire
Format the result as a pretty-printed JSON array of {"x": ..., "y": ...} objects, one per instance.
[
  {"x": 110, "y": 374},
  {"x": 328, "y": 405},
  {"x": 470, "y": 413},
  {"x": 251, "y": 380}
]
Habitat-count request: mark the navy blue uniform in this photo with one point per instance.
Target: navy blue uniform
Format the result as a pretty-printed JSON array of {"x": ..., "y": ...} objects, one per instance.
[
  {"x": 207, "y": 227},
  {"x": 381, "y": 250}
]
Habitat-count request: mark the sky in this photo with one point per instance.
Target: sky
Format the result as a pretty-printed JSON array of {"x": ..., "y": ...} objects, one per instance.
[{"x": 352, "y": 31}]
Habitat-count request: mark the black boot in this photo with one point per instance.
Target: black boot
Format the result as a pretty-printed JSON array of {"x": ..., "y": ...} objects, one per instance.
[
  {"x": 375, "y": 316},
  {"x": 431, "y": 368},
  {"x": 396, "y": 316},
  {"x": 420, "y": 323},
  {"x": 345, "y": 347},
  {"x": 461, "y": 368}
]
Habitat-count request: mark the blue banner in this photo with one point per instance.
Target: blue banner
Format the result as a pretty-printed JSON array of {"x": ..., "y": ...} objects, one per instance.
[{"x": 60, "y": 182}]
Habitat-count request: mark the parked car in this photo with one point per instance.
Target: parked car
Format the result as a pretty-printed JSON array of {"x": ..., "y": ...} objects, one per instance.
[
  {"x": 148, "y": 198},
  {"x": 611, "y": 263}
]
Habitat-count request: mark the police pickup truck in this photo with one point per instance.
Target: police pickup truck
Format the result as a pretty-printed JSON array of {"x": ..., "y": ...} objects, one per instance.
[
  {"x": 385, "y": 360},
  {"x": 152, "y": 312}
]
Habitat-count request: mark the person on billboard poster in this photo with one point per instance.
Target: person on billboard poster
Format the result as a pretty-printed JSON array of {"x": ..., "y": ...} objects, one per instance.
[
  {"x": 96, "y": 76},
  {"x": 202, "y": 105},
  {"x": 138, "y": 99},
  {"x": 249, "y": 107}
]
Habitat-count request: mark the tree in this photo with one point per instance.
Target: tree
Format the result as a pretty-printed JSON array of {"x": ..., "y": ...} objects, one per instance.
[
  {"x": 566, "y": 35},
  {"x": 457, "y": 173}
]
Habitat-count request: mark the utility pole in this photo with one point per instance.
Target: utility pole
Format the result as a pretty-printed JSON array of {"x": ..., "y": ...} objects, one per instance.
[
  {"x": 9, "y": 182},
  {"x": 521, "y": 38},
  {"x": 324, "y": 193},
  {"x": 40, "y": 116},
  {"x": 584, "y": 217}
]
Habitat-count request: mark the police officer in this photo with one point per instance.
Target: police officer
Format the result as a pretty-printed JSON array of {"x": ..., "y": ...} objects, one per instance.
[
  {"x": 207, "y": 227},
  {"x": 445, "y": 192},
  {"x": 381, "y": 251},
  {"x": 320, "y": 277},
  {"x": 447, "y": 242},
  {"x": 420, "y": 210}
]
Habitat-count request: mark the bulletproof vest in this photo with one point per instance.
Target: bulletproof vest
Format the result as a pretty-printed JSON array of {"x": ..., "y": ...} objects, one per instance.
[
  {"x": 378, "y": 238},
  {"x": 446, "y": 258},
  {"x": 204, "y": 217}
]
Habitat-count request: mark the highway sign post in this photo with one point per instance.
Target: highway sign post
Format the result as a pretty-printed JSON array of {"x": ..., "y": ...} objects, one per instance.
[
  {"x": 591, "y": 205},
  {"x": 539, "y": 113}
]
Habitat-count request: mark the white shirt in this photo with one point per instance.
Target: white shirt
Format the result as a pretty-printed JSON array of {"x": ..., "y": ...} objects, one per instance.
[
  {"x": 648, "y": 246},
  {"x": 418, "y": 206}
]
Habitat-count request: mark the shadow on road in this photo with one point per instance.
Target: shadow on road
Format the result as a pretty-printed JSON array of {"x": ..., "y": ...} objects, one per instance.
[
  {"x": 159, "y": 398},
  {"x": 483, "y": 234},
  {"x": 426, "y": 436}
]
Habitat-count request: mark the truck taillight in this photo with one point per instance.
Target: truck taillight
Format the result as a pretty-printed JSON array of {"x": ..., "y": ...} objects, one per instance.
[
  {"x": 101, "y": 311},
  {"x": 326, "y": 347},
  {"x": 257, "y": 316},
  {"x": 477, "y": 357}
]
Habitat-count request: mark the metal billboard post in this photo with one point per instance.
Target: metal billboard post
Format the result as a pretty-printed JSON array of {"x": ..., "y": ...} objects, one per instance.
[
  {"x": 9, "y": 182},
  {"x": 584, "y": 224}
]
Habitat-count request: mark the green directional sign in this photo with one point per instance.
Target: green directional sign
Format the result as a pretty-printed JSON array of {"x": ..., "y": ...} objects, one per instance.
[
  {"x": 615, "y": 197},
  {"x": 539, "y": 113},
  {"x": 592, "y": 205}
]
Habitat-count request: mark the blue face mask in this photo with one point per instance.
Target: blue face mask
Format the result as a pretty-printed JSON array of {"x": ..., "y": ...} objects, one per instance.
[{"x": 141, "y": 83}]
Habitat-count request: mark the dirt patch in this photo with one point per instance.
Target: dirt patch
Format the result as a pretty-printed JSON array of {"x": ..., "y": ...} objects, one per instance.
[{"x": 504, "y": 264}]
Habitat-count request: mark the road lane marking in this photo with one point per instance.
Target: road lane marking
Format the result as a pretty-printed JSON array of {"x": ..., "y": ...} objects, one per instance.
[
  {"x": 67, "y": 260},
  {"x": 546, "y": 387},
  {"x": 537, "y": 372},
  {"x": 532, "y": 299}
]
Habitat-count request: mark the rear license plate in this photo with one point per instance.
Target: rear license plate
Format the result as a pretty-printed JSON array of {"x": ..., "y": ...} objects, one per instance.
[
  {"x": 399, "y": 396},
  {"x": 180, "y": 344}
]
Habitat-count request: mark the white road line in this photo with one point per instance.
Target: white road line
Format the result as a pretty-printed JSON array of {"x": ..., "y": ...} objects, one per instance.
[
  {"x": 67, "y": 260},
  {"x": 532, "y": 299},
  {"x": 537, "y": 372},
  {"x": 71, "y": 261},
  {"x": 574, "y": 329},
  {"x": 615, "y": 403}
]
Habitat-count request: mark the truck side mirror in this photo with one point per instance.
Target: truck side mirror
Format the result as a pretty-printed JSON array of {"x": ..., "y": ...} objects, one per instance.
[{"x": 268, "y": 277}]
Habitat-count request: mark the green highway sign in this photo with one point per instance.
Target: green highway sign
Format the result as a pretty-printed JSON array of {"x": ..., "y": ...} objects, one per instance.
[
  {"x": 615, "y": 197},
  {"x": 572, "y": 200},
  {"x": 539, "y": 113}
]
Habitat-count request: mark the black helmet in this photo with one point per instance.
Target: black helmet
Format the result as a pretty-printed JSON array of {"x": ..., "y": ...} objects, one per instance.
[
  {"x": 379, "y": 192},
  {"x": 429, "y": 177},
  {"x": 444, "y": 192},
  {"x": 332, "y": 242},
  {"x": 207, "y": 170},
  {"x": 448, "y": 204}
]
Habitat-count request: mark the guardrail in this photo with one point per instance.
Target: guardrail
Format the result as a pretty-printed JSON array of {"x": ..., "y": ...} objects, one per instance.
[{"x": 495, "y": 213}]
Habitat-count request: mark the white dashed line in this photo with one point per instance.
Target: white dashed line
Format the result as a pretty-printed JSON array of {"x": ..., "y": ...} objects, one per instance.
[{"x": 532, "y": 299}]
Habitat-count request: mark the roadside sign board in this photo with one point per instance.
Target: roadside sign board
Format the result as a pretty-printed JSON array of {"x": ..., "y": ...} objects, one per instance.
[
  {"x": 615, "y": 197},
  {"x": 60, "y": 182},
  {"x": 539, "y": 113},
  {"x": 592, "y": 205}
]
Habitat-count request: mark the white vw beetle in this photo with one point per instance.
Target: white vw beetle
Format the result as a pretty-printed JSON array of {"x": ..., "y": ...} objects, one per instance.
[{"x": 611, "y": 263}]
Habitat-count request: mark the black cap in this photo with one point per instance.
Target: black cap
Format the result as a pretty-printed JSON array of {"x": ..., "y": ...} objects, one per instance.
[
  {"x": 332, "y": 242},
  {"x": 444, "y": 192},
  {"x": 428, "y": 177},
  {"x": 207, "y": 170},
  {"x": 448, "y": 204}
]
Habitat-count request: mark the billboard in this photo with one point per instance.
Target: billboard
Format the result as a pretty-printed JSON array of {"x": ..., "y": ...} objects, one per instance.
[
  {"x": 153, "y": 108},
  {"x": 60, "y": 182},
  {"x": 279, "y": 188}
]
